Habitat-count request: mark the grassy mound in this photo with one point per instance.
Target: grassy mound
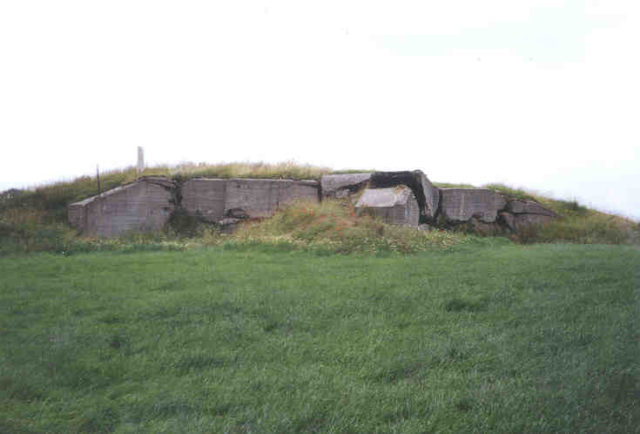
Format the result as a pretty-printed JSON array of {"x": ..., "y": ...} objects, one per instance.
[
  {"x": 577, "y": 223},
  {"x": 335, "y": 225},
  {"x": 32, "y": 220}
]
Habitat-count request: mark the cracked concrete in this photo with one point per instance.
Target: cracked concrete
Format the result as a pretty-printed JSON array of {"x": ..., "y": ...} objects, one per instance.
[{"x": 404, "y": 198}]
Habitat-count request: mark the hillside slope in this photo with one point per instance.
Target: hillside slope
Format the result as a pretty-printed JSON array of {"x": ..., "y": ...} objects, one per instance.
[{"x": 39, "y": 216}]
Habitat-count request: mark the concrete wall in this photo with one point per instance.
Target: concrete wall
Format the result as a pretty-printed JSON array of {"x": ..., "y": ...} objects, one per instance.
[
  {"x": 205, "y": 198},
  {"x": 147, "y": 204},
  {"x": 462, "y": 204},
  {"x": 139, "y": 207},
  {"x": 262, "y": 197},
  {"x": 403, "y": 198}
]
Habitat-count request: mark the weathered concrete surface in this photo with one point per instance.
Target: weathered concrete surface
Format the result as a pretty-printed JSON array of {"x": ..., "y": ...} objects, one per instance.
[
  {"x": 396, "y": 205},
  {"x": 461, "y": 204},
  {"x": 528, "y": 207},
  {"x": 205, "y": 198},
  {"x": 426, "y": 194},
  {"x": 142, "y": 206},
  {"x": 291, "y": 191},
  {"x": 404, "y": 198},
  {"x": 77, "y": 214},
  {"x": 262, "y": 197},
  {"x": 507, "y": 220},
  {"x": 343, "y": 185}
]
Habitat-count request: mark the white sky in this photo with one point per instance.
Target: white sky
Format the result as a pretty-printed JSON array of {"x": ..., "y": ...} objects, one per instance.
[{"x": 538, "y": 94}]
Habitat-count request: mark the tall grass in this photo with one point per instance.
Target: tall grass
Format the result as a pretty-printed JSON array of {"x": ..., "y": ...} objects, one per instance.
[
  {"x": 576, "y": 223},
  {"x": 34, "y": 220},
  {"x": 335, "y": 225},
  {"x": 591, "y": 228}
]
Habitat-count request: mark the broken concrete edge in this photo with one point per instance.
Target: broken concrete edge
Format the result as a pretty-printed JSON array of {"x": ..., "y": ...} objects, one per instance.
[
  {"x": 508, "y": 211},
  {"x": 431, "y": 199},
  {"x": 432, "y": 214},
  {"x": 279, "y": 192},
  {"x": 528, "y": 206},
  {"x": 395, "y": 205},
  {"x": 343, "y": 185},
  {"x": 157, "y": 180},
  {"x": 426, "y": 194}
]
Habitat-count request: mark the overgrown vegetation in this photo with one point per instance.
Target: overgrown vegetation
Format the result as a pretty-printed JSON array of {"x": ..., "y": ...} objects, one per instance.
[
  {"x": 591, "y": 228},
  {"x": 254, "y": 339},
  {"x": 36, "y": 220},
  {"x": 330, "y": 227},
  {"x": 336, "y": 226},
  {"x": 576, "y": 223}
]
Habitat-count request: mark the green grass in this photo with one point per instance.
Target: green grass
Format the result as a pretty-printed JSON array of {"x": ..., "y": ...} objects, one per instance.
[
  {"x": 36, "y": 220},
  {"x": 335, "y": 226},
  {"x": 540, "y": 338}
]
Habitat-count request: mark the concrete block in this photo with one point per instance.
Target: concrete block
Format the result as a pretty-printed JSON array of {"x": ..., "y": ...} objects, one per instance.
[
  {"x": 528, "y": 207},
  {"x": 426, "y": 194},
  {"x": 396, "y": 205},
  {"x": 461, "y": 204},
  {"x": 343, "y": 185}
]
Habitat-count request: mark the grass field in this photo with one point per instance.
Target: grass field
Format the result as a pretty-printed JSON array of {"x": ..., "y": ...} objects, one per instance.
[{"x": 470, "y": 339}]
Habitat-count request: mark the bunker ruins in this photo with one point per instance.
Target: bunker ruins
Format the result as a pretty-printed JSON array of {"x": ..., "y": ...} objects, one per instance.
[{"x": 404, "y": 198}]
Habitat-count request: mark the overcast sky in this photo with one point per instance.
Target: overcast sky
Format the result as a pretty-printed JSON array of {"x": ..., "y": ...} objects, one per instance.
[{"x": 539, "y": 94}]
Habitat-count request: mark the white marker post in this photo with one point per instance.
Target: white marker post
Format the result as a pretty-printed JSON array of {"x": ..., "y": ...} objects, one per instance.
[{"x": 140, "y": 167}]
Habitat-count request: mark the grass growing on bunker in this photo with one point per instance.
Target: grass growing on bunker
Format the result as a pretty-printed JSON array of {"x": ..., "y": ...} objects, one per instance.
[
  {"x": 36, "y": 220},
  {"x": 336, "y": 226},
  {"x": 507, "y": 339}
]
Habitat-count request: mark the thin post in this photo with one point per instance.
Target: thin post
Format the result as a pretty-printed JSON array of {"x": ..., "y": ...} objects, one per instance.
[
  {"x": 140, "y": 167},
  {"x": 98, "y": 178}
]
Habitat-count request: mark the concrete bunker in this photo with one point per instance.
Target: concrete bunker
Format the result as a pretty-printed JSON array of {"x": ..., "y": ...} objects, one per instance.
[{"x": 405, "y": 198}]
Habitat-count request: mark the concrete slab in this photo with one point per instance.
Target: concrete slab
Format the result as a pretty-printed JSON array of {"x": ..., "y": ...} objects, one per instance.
[
  {"x": 528, "y": 207},
  {"x": 343, "y": 185},
  {"x": 461, "y": 204},
  {"x": 263, "y": 197},
  {"x": 396, "y": 205}
]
